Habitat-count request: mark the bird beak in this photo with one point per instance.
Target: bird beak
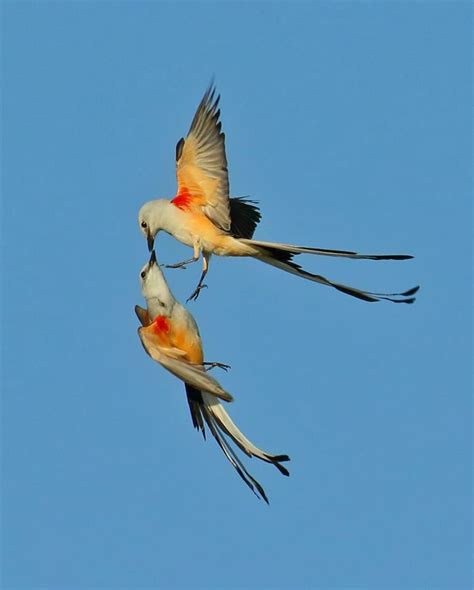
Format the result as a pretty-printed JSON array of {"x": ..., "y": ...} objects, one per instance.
[
  {"x": 150, "y": 241},
  {"x": 152, "y": 260}
]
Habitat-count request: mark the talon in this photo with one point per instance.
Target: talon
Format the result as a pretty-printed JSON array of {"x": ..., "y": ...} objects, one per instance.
[
  {"x": 195, "y": 294},
  {"x": 178, "y": 265},
  {"x": 219, "y": 365},
  {"x": 183, "y": 263}
]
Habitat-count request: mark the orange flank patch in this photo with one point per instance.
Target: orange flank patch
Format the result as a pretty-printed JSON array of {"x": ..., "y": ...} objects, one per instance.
[
  {"x": 171, "y": 335},
  {"x": 183, "y": 199},
  {"x": 190, "y": 343}
]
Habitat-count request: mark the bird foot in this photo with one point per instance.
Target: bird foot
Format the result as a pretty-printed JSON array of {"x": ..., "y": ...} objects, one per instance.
[
  {"x": 182, "y": 265},
  {"x": 195, "y": 294},
  {"x": 209, "y": 366}
]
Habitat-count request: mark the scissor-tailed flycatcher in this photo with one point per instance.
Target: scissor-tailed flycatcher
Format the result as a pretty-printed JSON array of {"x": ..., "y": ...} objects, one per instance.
[
  {"x": 203, "y": 216},
  {"x": 170, "y": 336}
]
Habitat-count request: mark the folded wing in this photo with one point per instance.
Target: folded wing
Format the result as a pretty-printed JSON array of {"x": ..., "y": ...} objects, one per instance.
[{"x": 169, "y": 358}]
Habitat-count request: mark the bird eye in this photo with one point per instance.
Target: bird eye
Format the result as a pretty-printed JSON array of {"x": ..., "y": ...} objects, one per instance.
[
  {"x": 143, "y": 274},
  {"x": 144, "y": 225}
]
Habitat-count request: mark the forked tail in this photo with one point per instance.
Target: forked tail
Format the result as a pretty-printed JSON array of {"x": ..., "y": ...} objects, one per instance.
[
  {"x": 281, "y": 256},
  {"x": 206, "y": 409}
]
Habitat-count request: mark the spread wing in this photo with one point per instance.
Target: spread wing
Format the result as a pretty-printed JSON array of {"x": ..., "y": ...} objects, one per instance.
[
  {"x": 169, "y": 358},
  {"x": 201, "y": 163}
]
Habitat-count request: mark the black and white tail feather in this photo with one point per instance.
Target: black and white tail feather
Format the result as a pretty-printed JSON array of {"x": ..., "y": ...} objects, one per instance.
[
  {"x": 206, "y": 409},
  {"x": 280, "y": 256},
  {"x": 245, "y": 216}
]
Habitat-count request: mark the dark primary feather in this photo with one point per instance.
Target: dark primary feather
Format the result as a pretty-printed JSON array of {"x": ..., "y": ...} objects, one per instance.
[
  {"x": 195, "y": 402},
  {"x": 244, "y": 217},
  {"x": 179, "y": 148},
  {"x": 207, "y": 112},
  {"x": 142, "y": 315}
]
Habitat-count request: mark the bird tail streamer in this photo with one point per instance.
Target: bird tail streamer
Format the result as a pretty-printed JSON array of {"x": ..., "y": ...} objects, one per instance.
[
  {"x": 281, "y": 256},
  {"x": 206, "y": 409}
]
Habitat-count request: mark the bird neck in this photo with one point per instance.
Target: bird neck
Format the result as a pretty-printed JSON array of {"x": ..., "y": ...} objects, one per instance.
[
  {"x": 158, "y": 295},
  {"x": 159, "y": 306},
  {"x": 163, "y": 216}
]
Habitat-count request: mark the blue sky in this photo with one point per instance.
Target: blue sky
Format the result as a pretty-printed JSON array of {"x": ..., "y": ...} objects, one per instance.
[{"x": 350, "y": 123}]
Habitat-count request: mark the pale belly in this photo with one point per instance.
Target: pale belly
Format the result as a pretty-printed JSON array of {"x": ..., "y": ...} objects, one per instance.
[
  {"x": 194, "y": 228},
  {"x": 212, "y": 240}
]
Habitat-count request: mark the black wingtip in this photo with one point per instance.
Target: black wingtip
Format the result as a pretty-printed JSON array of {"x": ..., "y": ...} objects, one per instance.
[
  {"x": 212, "y": 83},
  {"x": 179, "y": 148}
]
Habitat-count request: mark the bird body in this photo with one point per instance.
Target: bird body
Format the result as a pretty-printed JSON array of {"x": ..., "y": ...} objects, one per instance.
[
  {"x": 186, "y": 222},
  {"x": 202, "y": 214},
  {"x": 171, "y": 336},
  {"x": 176, "y": 335}
]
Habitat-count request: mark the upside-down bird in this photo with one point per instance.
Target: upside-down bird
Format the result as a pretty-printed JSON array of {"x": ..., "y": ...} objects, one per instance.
[
  {"x": 203, "y": 216},
  {"x": 170, "y": 336}
]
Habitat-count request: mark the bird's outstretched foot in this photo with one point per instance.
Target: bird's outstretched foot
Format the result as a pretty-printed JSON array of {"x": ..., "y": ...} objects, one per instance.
[
  {"x": 183, "y": 264},
  {"x": 195, "y": 294},
  {"x": 209, "y": 366}
]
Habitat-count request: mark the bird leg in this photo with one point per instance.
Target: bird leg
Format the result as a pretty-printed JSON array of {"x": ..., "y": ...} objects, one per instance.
[
  {"x": 195, "y": 294},
  {"x": 211, "y": 365},
  {"x": 183, "y": 264}
]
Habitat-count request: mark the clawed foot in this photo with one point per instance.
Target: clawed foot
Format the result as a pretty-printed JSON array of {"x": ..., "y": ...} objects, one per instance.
[
  {"x": 182, "y": 265},
  {"x": 210, "y": 366},
  {"x": 195, "y": 294}
]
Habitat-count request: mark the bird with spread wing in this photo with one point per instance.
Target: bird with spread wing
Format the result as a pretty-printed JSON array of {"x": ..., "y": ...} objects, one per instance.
[{"x": 203, "y": 216}]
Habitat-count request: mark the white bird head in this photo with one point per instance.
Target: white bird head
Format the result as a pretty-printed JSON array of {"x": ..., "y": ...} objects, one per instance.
[
  {"x": 150, "y": 219},
  {"x": 154, "y": 287}
]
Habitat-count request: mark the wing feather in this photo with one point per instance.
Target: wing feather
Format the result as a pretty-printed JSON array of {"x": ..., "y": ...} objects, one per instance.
[
  {"x": 142, "y": 315},
  {"x": 201, "y": 163},
  {"x": 194, "y": 375}
]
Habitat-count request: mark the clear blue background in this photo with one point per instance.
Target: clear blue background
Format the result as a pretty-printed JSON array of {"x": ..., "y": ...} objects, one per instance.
[{"x": 350, "y": 123}]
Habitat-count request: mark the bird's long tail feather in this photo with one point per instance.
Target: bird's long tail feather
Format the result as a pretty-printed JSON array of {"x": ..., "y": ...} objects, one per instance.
[
  {"x": 225, "y": 423},
  {"x": 281, "y": 256},
  {"x": 324, "y": 252},
  {"x": 204, "y": 409}
]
